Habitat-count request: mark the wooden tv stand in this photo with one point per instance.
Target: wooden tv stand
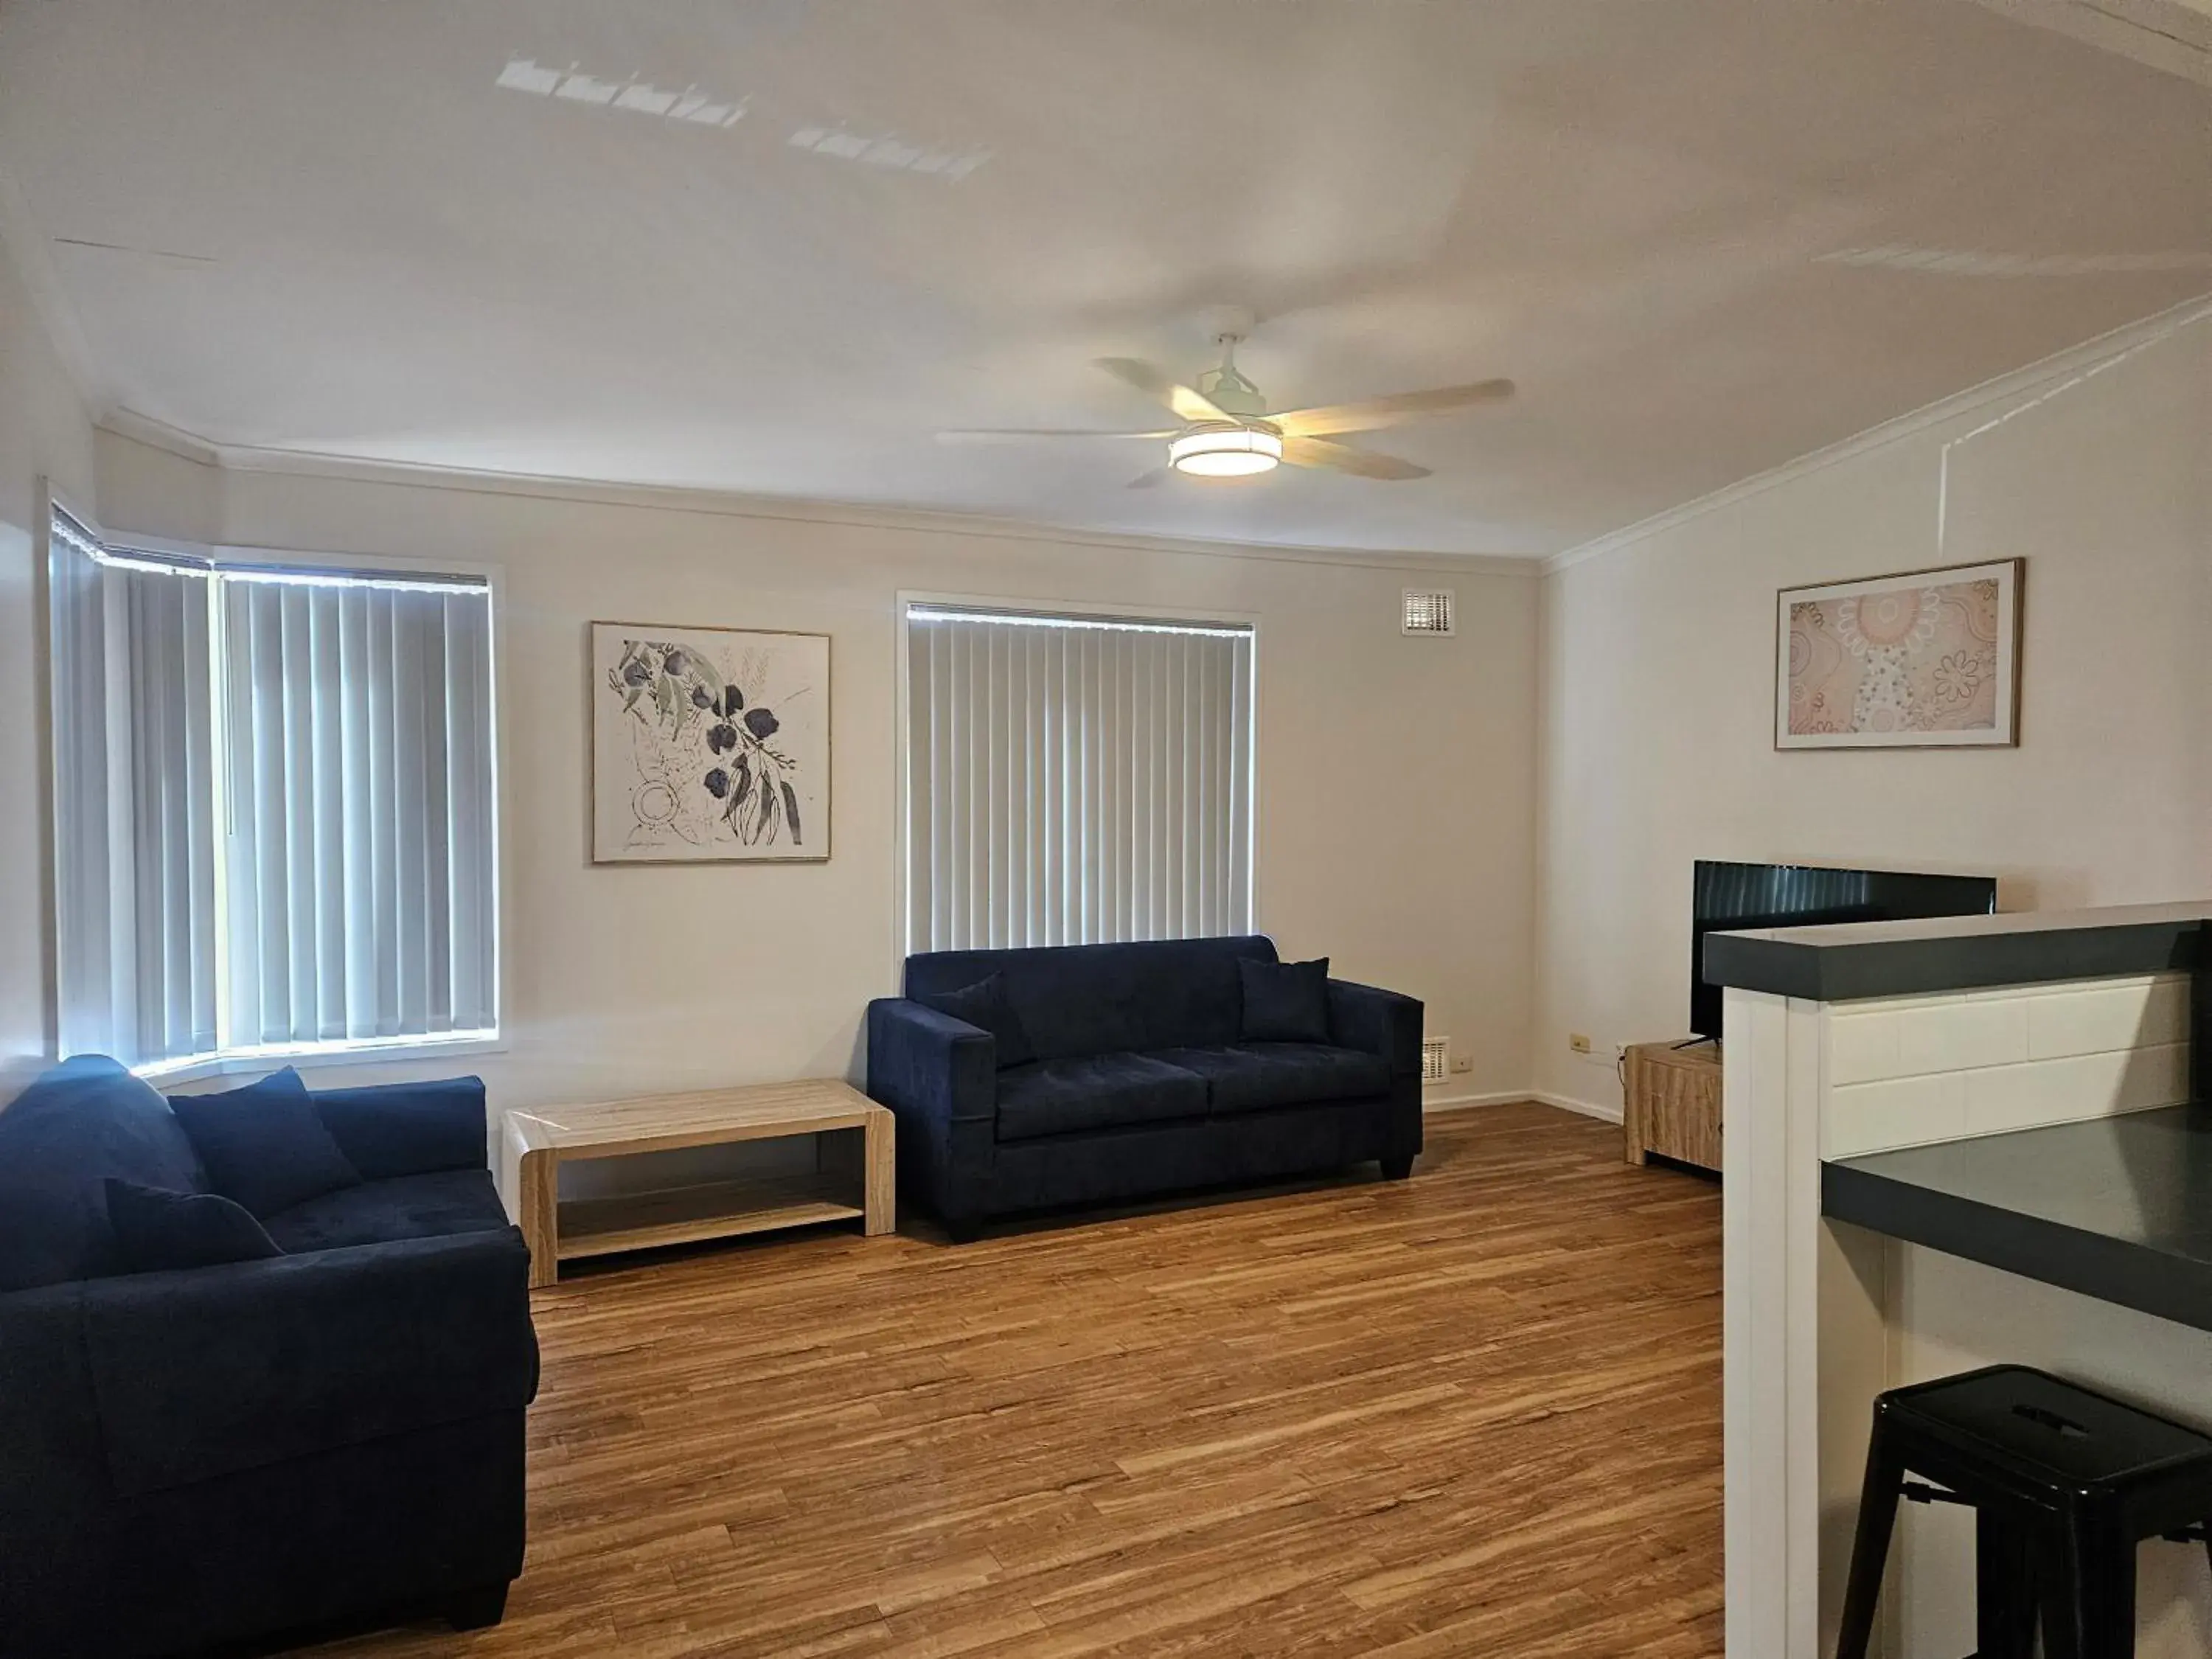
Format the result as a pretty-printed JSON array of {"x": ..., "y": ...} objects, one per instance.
[{"x": 1671, "y": 1104}]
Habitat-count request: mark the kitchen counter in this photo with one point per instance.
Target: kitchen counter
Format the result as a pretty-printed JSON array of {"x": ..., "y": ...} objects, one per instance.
[
  {"x": 1848, "y": 961},
  {"x": 2118, "y": 1208}
]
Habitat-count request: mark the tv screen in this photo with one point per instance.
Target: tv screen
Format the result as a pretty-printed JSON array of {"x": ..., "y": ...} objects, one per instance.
[{"x": 1728, "y": 897}]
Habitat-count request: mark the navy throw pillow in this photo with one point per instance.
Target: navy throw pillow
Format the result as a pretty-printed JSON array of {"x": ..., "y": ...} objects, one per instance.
[
  {"x": 156, "y": 1229},
  {"x": 85, "y": 1120},
  {"x": 265, "y": 1146},
  {"x": 984, "y": 1004},
  {"x": 1285, "y": 1001}
]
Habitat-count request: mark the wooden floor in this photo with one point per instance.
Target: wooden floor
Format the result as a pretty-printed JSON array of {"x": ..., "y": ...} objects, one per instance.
[{"x": 1475, "y": 1414}]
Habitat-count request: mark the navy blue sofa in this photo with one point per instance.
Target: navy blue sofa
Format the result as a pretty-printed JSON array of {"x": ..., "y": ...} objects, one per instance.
[
  {"x": 330, "y": 1436},
  {"x": 1141, "y": 1084}
]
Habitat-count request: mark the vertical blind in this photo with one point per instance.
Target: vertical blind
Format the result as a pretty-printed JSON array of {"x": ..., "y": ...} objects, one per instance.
[
  {"x": 1075, "y": 780},
  {"x": 361, "y": 897},
  {"x": 274, "y": 811},
  {"x": 134, "y": 852}
]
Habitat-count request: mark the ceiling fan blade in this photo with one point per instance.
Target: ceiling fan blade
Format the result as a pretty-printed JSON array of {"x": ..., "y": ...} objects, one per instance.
[
  {"x": 1016, "y": 435},
  {"x": 1373, "y": 414},
  {"x": 1152, "y": 480},
  {"x": 1343, "y": 458},
  {"x": 1155, "y": 382}
]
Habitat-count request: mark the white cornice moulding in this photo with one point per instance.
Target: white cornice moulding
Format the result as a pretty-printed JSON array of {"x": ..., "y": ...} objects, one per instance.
[
  {"x": 129, "y": 423},
  {"x": 2015, "y": 383},
  {"x": 123, "y": 422}
]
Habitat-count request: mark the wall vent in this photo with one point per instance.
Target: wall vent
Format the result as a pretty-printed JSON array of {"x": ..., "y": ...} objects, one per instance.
[
  {"x": 1436, "y": 1058},
  {"x": 1428, "y": 611}
]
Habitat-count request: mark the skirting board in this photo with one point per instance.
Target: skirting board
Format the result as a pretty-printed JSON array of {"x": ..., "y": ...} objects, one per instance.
[
  {"x": 1587, "y": 1108},
  {"x": 1460, "y": 1103}
]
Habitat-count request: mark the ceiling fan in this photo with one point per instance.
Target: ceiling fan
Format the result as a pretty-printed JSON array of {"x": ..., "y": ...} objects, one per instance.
[{"x": 1228, "y": 433}]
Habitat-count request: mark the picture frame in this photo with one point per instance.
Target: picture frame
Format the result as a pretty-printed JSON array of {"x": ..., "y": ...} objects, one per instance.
[
  {"x": 1913, "y": 659},
  {"x": 709, "y": 744}
]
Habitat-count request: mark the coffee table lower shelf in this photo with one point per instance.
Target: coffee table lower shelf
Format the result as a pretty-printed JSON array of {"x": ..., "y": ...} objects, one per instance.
[{"x": 683, "y": 1215}]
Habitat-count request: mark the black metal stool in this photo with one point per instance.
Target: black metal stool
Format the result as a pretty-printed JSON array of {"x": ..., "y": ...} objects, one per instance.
[{"x": 2063, "y": 1484}]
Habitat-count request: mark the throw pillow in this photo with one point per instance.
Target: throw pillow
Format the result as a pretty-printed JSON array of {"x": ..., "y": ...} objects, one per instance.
[
  {"x": 156, "y": 1229},
  {"x": 83, "y": 1120},
  {"x": 265, "y": 1146},
  {"x": 984, "y": 1005},
  {"x": 1285, "y": 1001}
]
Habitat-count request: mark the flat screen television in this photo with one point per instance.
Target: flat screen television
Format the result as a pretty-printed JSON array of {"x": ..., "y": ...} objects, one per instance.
[{"x": 1726, "y": 897}]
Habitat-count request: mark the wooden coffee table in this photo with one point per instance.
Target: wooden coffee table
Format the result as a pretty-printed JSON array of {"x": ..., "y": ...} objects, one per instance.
[{"x": 534, "y": 1144}]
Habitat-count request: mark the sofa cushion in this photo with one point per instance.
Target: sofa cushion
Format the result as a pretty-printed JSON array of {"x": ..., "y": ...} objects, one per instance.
[
  {"x": 377, "y": 1212},
  {"x": 82, "y": 1121},
  {"x": 1094, "y": 1092},
  {"x": 1250, "y": 1076},
  {"x": 984, "y": 1005},
  {"x": 158, "y": 1231},
  {"x": 387, "y": 1129},
  {"x": 1285, "y": 1001},
  {"x": 1108, "y": 998},
  {"x": 263, "y": 1145}
]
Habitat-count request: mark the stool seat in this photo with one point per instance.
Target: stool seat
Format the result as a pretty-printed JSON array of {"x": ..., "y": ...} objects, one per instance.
[
  {"x": 2065, "y": 1483},
  {"x": 2047, "y": 1430}
]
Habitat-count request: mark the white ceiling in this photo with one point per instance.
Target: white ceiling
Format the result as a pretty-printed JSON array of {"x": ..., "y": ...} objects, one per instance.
[{"x": 319, "y": 225}]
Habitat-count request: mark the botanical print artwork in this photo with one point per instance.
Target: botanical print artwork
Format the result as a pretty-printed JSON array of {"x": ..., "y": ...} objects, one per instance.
[
  {"x": 1924, "y": 659},
  {"x": 709, "y": 744}
]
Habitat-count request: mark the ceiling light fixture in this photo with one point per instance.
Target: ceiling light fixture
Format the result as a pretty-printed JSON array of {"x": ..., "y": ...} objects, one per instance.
[{"x": 1215, "y": 449}]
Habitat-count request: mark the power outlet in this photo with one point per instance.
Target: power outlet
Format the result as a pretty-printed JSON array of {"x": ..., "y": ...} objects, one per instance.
[
  {"x": 1462, "y": 1062},
  {"x": 1579, "y": 1042}
]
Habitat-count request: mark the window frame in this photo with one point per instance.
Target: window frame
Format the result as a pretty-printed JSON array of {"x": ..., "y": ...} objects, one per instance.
[
  {"x": 1062, "y": 609},
  {"x": 261, "y": 1058}
]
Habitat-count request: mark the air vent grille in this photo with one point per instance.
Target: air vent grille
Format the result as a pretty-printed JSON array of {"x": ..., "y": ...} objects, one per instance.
[
  {"x": 1436, "y": 1058},
  {"x": 1428, "y": 611}
]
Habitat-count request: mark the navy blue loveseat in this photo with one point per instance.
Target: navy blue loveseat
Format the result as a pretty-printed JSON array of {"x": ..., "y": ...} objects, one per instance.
[
  {"x": 1138, "y": 1079},
  {"x": 218, "y": 1453}
]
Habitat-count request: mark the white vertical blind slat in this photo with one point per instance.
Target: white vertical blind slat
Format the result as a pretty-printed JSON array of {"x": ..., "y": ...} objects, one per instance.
[{"x": 1075, "y": 782}]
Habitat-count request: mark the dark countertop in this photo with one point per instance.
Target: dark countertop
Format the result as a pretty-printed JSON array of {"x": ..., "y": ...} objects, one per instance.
[
  {"x": 1853, "y": 960},
  {"x": 2118, "y": 1208}
]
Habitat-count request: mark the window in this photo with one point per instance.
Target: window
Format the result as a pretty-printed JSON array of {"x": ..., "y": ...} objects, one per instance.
[
  {"x": 274, "y": 824},
  {"x": 1072, "y": 779}
]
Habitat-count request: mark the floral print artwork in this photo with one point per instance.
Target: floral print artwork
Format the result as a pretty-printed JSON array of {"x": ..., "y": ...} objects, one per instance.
[
  {"x": 709, "y": 744},
  {"x": 1926, "y": 658}
]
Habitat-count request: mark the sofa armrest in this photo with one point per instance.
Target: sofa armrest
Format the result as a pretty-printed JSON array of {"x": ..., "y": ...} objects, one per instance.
[
  {"x": 930, "y": 1064},
  {"x": 392, "y": 1130},
  {"x": 939, "y": 1076},
  {"x": 210, "y": 1371},
  {"x": 1376, "y": 1021}
]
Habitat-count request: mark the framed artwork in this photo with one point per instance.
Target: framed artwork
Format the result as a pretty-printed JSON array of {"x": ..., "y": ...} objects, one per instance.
[
  {"x": 708, "y": 745},
  {"x": 1923, "y": 660}
]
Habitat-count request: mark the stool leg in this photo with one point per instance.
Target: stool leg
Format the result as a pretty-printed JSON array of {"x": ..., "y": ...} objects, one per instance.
[
  {"x": 2088, "y": 1591},
  {"x": 2105, "y": 1557},
  {"x": 2058, "y": 1593},
  {"x": 2004, "y": 1590},
  {"x": 1878, "y": 1492}
]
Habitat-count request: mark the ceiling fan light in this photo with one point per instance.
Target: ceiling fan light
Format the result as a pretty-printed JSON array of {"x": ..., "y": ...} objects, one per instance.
[{"x": 1226, "y": 452}]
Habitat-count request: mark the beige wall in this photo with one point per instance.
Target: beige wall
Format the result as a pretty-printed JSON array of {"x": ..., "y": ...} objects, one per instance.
[
  {"x": 1656, "y": 743},
  {"x": 43, "y": 432},
  {"x": 1396, "y": 777}
]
